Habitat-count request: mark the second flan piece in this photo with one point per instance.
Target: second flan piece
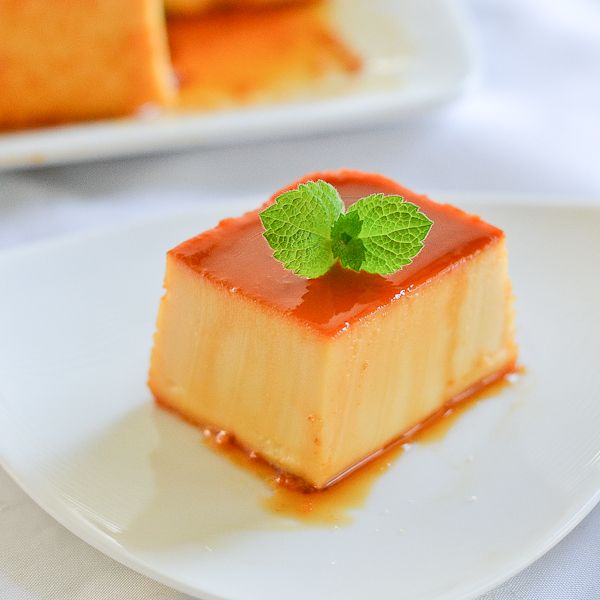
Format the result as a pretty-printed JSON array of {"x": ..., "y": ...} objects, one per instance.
[
  {"x": 318, "y": 375},
  {"x": 71, "y": 61}
]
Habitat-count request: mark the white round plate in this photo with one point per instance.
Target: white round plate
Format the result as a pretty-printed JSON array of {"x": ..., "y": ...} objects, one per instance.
[{"x": 449, "y": 520}]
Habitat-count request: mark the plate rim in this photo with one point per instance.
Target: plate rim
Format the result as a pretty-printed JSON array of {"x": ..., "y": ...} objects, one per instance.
[{"x": 242, "y": 202}]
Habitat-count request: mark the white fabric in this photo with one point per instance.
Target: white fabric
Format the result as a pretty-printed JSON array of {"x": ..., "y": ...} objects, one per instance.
[{"x": 533, "y": 126}]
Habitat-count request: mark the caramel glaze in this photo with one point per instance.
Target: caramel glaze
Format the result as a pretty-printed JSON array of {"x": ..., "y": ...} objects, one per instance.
[
  {"x": 235, "y": 255},
  {"x": 292, "y": 496}
]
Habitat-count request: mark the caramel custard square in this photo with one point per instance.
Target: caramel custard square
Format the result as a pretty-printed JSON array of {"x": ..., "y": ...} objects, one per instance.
[{"x": 316, "y": 376}]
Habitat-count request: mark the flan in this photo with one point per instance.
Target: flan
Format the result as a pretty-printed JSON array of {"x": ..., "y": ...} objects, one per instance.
[
  {"x": 62, "y": 62},
  {"x": 316, "y": 376},
  {"x": 71, "y": 61}
]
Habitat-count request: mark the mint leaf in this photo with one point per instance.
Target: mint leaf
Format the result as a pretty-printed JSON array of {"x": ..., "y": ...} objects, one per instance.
[
  {"x": 308, "y": 231},
  {"x": 392, "y": 232},
  {"x": 298, "y": 227},
  {"x": 345, "y": 243}
]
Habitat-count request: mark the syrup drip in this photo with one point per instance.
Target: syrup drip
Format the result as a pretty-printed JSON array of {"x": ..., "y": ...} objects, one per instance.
[{"x": 290, "y": 496}]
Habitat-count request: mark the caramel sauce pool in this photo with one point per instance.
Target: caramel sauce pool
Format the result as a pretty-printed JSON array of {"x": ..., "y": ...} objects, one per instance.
[
  {"x": 332, "y": 505},
  {"x": 438, "y": 429},
  {"x": 325, "y": 507},
  {"x": 233, "y": 57}
]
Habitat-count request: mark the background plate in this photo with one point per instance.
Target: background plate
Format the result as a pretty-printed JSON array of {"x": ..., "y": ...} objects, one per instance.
[
  {"x": 449, "y": 519},
  {"x": 417, "y": 55}
]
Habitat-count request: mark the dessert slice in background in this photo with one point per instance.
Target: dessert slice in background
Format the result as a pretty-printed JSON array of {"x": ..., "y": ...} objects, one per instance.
[
  {"x": 318, "y": 375},
  {"x": 85, "y": 59}
]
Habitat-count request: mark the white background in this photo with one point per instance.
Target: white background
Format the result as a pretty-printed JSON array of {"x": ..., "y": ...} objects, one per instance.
[{"x": 531, "y": 127}]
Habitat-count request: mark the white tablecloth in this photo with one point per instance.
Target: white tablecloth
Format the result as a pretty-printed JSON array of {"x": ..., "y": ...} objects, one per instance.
[{"x": 532, "y": 127}]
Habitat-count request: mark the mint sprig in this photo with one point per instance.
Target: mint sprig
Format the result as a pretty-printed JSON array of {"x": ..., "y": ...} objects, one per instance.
[{"x": 309, "y": 231}]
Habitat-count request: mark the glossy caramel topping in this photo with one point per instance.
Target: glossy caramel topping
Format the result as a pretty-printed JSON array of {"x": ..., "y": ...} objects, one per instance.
[{"x": 235, "y": 254}]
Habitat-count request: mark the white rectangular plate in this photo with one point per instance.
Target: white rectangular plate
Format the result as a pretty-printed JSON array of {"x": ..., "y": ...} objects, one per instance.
[
  {"x": 448, "y": 520},
  {"x": 417, "y": 55}
]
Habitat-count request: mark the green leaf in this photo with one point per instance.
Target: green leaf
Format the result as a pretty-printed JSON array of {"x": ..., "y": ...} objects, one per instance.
[
  {"x": 308, "y": 231},
  {"x": 298, "y": 227},
  {"x": 392, "y": 232},
  {"x": 345, "y": 243}
]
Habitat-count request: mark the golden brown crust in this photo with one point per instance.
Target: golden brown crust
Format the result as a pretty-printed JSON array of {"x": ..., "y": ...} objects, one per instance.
[{"x": 69, "y": 60}]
